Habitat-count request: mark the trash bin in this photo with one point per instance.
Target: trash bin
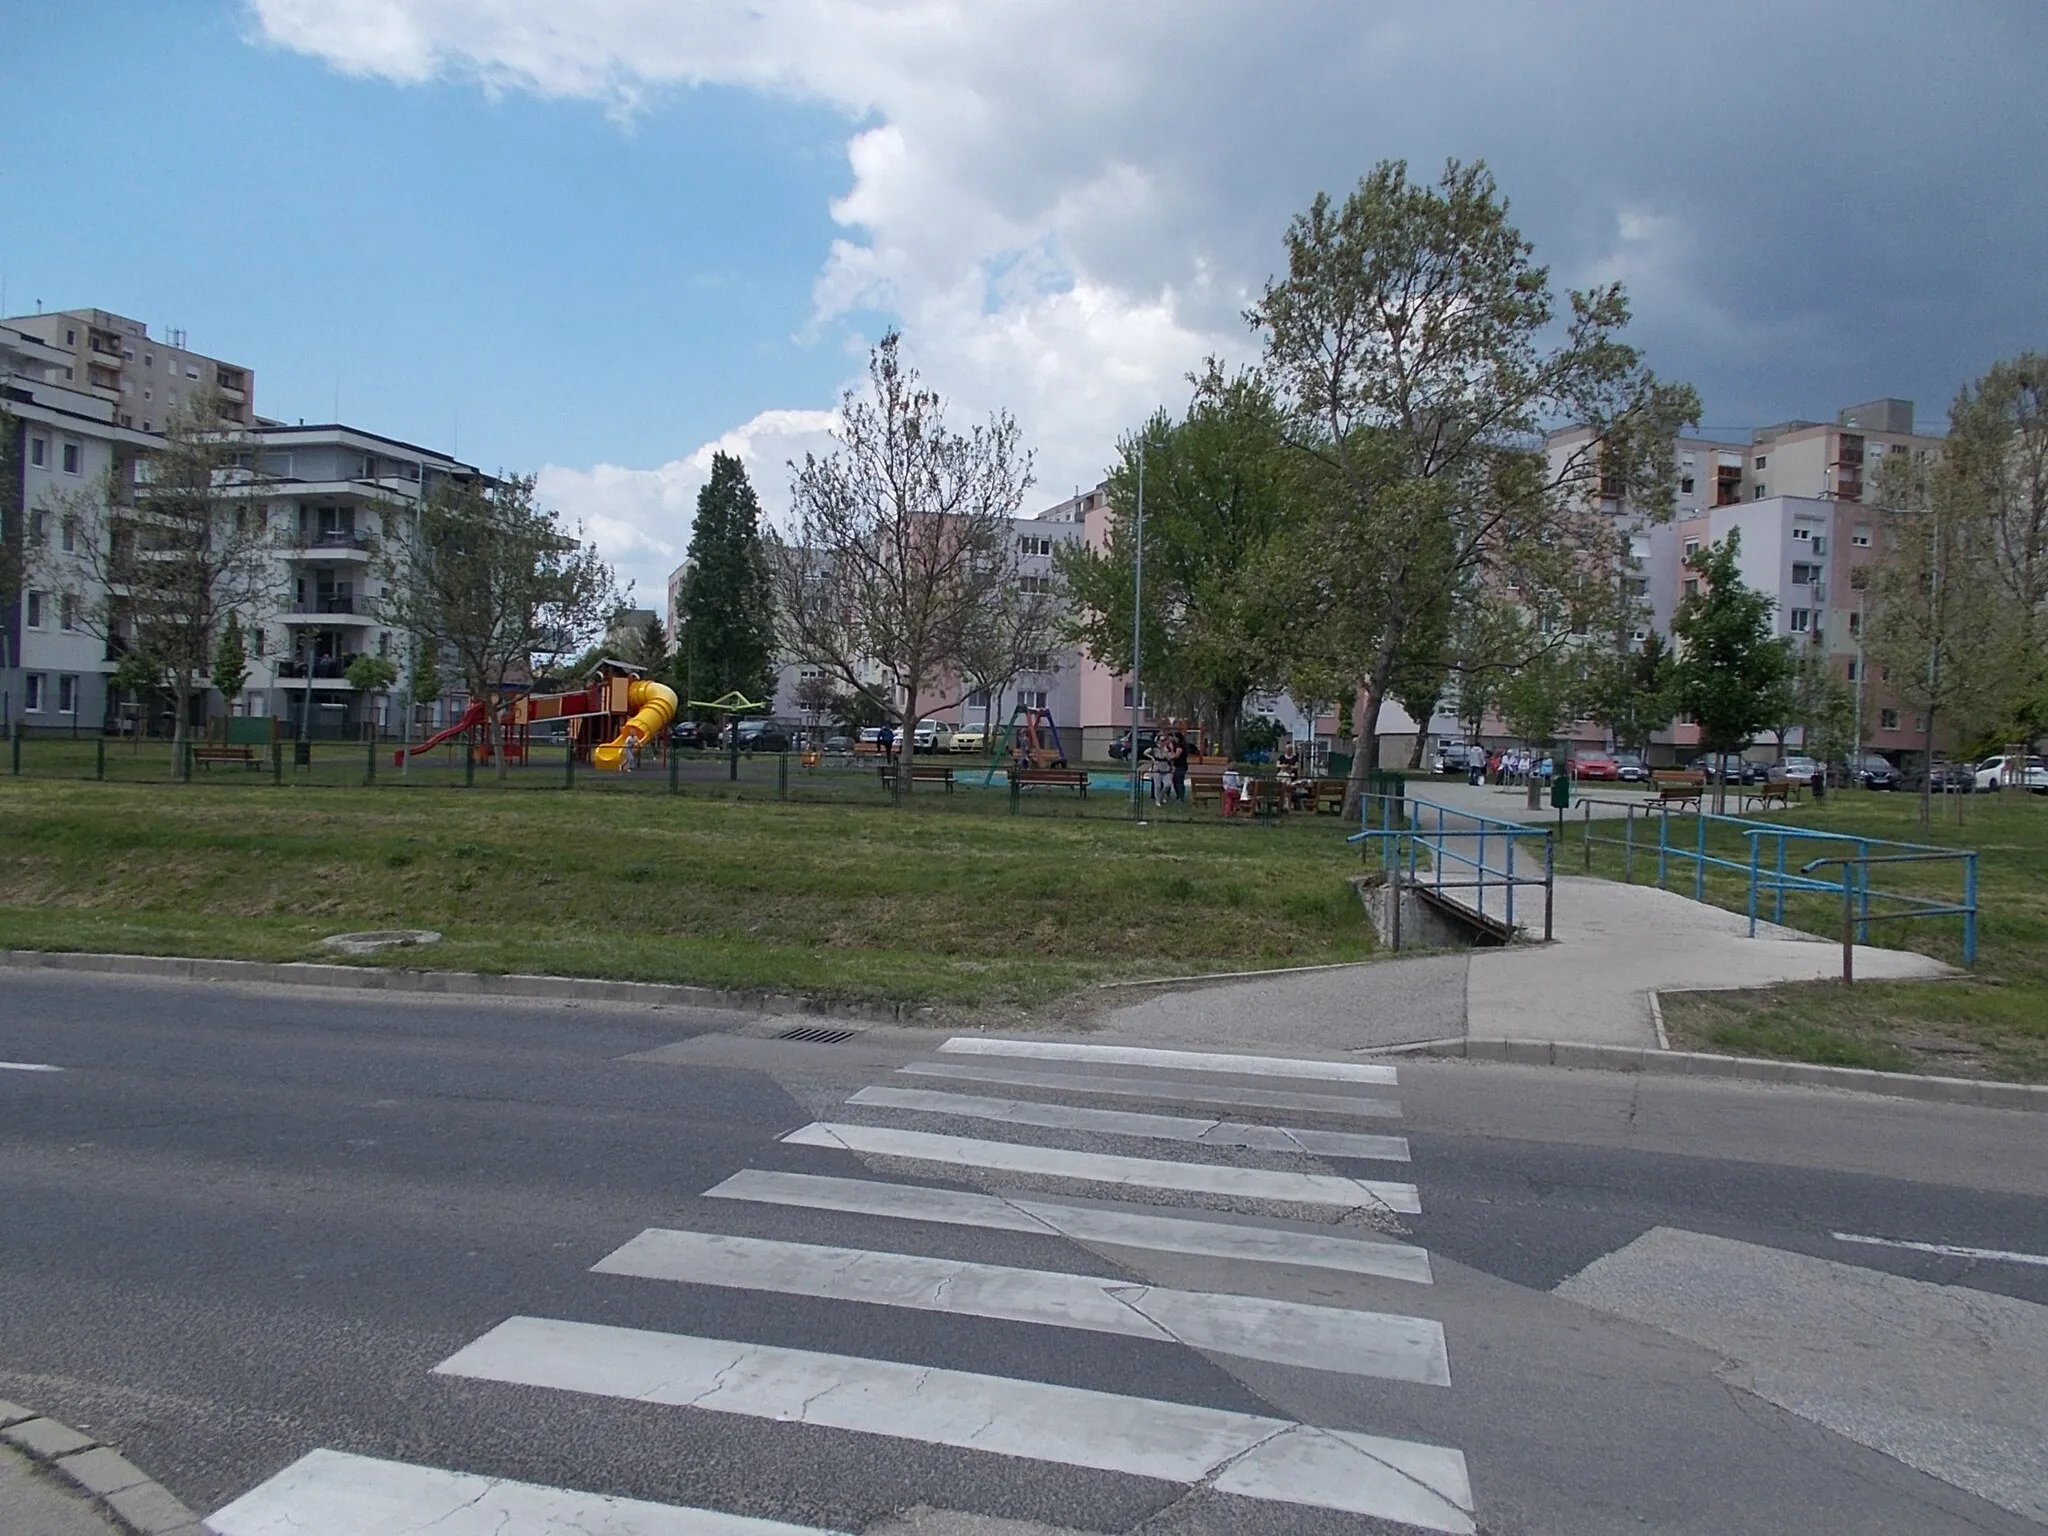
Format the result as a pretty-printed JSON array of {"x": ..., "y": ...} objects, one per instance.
[{"x": 1561, "y": 792}]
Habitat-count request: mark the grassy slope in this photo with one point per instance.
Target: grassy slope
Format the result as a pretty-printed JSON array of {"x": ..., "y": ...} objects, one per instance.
[
  {"x": 1995, "y": 1023},
  {"x": 957, "y": 904}
]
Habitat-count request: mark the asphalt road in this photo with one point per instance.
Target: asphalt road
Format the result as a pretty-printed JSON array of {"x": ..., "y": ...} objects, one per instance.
[{"x": 242, "y": 1226}]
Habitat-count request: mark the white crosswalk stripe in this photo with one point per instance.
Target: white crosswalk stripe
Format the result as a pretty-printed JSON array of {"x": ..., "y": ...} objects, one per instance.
[
  {"x": 1187, "y": 1091},
  {"x": 1251, "y": 1454},
  {"x": 1244, "y": 1454},
  {"x": 1107, "y": 1226},
  {"x": 1286, "y": 1333},
  {"x": 332, "y": 1493},
  {"x": 1121, "y": 1122},
  {"x": 1319, "y": 1189},
  {"x": 1184, "y": 1061}
]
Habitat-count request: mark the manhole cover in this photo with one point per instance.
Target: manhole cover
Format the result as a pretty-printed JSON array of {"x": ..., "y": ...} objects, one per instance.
[
  {"x": 385, "y": 938},
  {"x": 817, "y": 1034}
]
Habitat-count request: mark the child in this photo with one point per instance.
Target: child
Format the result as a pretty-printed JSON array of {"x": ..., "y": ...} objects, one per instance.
[
  {"x": 1162, "y": 773},
  {"x": 1233, "y": 788}
]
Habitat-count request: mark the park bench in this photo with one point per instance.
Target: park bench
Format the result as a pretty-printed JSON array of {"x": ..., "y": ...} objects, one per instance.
[
  {"x": 1326, "y": 795},
  {"x": 1678, "y": 788},
  {"x": 1774, "y": 792},
  {"x": 1205, "y": 782},
  {"x": 207, "y": 753},
  {"x": 1050, "y": 778},
  {"x": 920, "y": 773}
]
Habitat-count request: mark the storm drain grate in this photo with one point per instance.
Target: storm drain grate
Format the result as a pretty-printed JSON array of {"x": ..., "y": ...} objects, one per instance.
[{"x": 817, "y": 1034}]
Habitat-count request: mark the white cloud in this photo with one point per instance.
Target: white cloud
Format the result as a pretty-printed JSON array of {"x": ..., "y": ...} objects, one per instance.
[{"x": 1067, "y": 203}]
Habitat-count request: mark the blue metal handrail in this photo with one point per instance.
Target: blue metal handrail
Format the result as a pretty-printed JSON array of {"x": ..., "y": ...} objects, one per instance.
[
  {"x": 1408, "y": 829},
  {"x": 1775, "y": 879}
]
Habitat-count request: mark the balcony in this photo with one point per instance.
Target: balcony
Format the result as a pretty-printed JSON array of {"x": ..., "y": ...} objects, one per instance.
[
  {"x": 328, "y": 610},
  {"x": 326, "y": 669},
  {"x": 328, "y": 544}
]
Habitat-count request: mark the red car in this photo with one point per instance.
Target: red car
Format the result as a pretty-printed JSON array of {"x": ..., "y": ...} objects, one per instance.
[{"x": 1595, "y": 765}]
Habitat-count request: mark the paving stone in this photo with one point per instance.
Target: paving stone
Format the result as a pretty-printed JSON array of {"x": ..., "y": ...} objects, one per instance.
[
  {"x": 46, "y": 1439},
  {"x": 150, "y": 1509},
  {"x": 101, "y": 1470}
]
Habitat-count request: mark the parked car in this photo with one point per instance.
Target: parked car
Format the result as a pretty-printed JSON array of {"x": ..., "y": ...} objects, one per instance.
[
  {"x": 1871, "y": 771},
  {"x": 761, "y": 736},
  {"x": 1630, "y": 768},
  {"x": 1732, "y": 770},
  {"x": 1121, "y": 747},
  {"x": 1795, "y": 770},
  {"x": 839, "y": 746},
  {"x": 1596, "y": 765},
  {"x": 690, "y": 733},
  {"x": 2019, "y": 773},
  {"x": 1948, "y": 778},
  {"x": 1452, "y": 757},
  {"x": 970, "y": 738},
  {"x": 932, "y": 736}
]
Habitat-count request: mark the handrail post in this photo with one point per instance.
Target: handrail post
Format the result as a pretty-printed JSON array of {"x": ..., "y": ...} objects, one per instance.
[
  {"x": 1586, "y": 833},
  {"x": 1848, "y": 930},
  {"x": 1663, "y": 844},
  {"x": 1778, "y": 906},
  {"x": 1549, "y": 884},
  {"x": 1863, "y": 890},
  {"x": 1699, "y": 861},
  {"x": 1479, "y": 875},
  {"x": 1755, "y": 851},
  {"x": 1970, "y": 904},
  {"x": 1511, "y": 880}
]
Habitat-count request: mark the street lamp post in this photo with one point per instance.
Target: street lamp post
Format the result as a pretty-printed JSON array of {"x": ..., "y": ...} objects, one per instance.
[{"x": 1137, "y": 640}]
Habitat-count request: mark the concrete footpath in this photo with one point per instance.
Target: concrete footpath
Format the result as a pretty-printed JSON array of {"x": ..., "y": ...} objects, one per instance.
[
  {"x": 37, "y": 1503},
  {"x": 1613, "y": 945}
]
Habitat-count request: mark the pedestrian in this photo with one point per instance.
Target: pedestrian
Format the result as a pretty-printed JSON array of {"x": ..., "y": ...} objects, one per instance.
[
  {"x": 889, "y": 743},
  {"x": 1162, "y": 770},
  {"x": 1233, "y": 789},
  {"x": 1179, "y": 760}
]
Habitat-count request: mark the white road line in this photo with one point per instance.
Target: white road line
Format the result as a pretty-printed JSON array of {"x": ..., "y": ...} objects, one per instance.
[
  {"x": 1159, "y": 1089},
  {"x": 1946, "y": 1250},
  {"x": 1242, "y": 1453},
  {"x": 1326, "y": 1189},
  {"x": 1356, "y": 1343},
  {"x": 336, "y": 1494},
  {"x": 27, "y": 1066},
  {"x": 1184, "y": 1061},
  {"x": 1123, "y": 1122},
  {"x": 1079, "y": 1223}
]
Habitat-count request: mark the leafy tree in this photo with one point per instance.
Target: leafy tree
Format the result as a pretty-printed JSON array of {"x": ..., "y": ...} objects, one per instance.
[
  {"x": 1215, "y": 494},
  {"x": 231, "y": 661},
  {"x": 1818, "y": 702},
  {"x": 369, "y": 675},
  {"x": 1731, "y": 663},
  {"x": 725, "y": 629},
  {"x": 1419, "y": 355},
  {"x": 1630, "y": 690},
  {"x": 1541, "y": 694},
  {"x": 902, "y": 575},
  {"x": 425, "y": 685},
  {"x": 165, "y": 550},
  {"x": 498, "y": 582}
]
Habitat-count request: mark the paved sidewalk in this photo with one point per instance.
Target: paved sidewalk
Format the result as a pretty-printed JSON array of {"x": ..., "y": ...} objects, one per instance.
[
  {"x": 35, "y": 1503},
  {"x": 1614, "y": 945}
]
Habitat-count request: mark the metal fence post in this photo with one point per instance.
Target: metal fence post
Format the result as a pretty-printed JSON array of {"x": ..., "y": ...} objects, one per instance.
[
  {"x": 276, "y": 761},
  {"x": 675, "y": 769},
  {"x": 1549, "y": 886},
  {"x": 14, "y": 740},
  {"x": 186, "y": 760},
  {"x": 1663, "y": 845},
  {"x": 1586, "y": 833},
  {"x": 1848, "y": 930},
  {"x": 1628, "y": 845},
  {"x": 1970, "y": 915},
  {"x": 782, "y": 776},
  {"x": 1699, "y": 861},
  {"x": 1016, "y": 794},
  {"x": 1863, "y": 893},
  {"x": 568, "y": 763},
  {"x": 370, "y": 762},
  {"x": 469, "y": 760},
  {"x": 1756, "y": 849},
  {"x": 99, "y": 759}
]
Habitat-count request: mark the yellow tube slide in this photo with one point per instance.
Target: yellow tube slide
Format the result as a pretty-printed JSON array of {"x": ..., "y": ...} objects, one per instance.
[{"x": 653, "y": 706}]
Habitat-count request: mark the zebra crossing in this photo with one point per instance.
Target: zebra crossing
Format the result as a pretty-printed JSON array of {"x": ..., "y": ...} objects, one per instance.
[{"x": 1208, "y": 1203}]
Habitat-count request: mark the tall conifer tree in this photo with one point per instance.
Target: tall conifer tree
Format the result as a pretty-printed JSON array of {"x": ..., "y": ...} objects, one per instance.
[{"x": 726, "y": 637}]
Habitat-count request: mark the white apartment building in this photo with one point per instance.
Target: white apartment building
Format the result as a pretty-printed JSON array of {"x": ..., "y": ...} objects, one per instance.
[
  {"x": 113, "y": 359},
  {"x": 60, "y": 444}
]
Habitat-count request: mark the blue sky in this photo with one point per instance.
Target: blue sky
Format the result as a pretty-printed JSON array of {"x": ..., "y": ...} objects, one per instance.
[{"x": 598, "y": 239}]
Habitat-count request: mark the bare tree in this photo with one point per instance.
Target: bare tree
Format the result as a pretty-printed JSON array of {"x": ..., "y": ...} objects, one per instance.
[
  {"x": 496, "y": 581},
  {"x": 158, "y": 556},
  {"x": 902, "y": 571}
]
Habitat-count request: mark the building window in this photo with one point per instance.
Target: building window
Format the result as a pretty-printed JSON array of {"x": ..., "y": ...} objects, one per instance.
[
  {"x": 39, "y": 451},
  {"x": 1760, "y": 461},
  {"x": 1888, "y": 719},
  {"x": 1860, "y": 537},
  {"x": 1853, "y": 667},
  {"x": 35, "y": 610},
  {"x": 1805, "y": 575},
  {"x": 1802, "y": 533},
  {"x": 1038, "y": 661},
  {"x": 70, "y": 337},
  {"x": 73, "y": 458},
  {"x": 67, "y": 611},
  {"x": 1685, "y": 485},
  {"x": 70, "y": 535},
  {"x": 1692, "y": 547},
  {"x": 67, "y": 693},
  {"x": 1031, "y": 698},
  {"x": 978, "y": 699},
  {"x": 1855, "y": 622},
  {"x": 1034, "y": 546},
  {"x": 262, "y": 639},
  {"x": 1142, "y": 701},
  {"x": 32, "y": 689},
  {"x": 1802, "y": 620},
  {"x": 1692, "y": 588},
  {"x": 1040, "y": 585},
  {"x": 1758, "y": 491}
]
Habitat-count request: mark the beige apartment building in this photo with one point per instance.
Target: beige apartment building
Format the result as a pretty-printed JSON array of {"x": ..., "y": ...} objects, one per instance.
[{"x": 113, "y": 358}]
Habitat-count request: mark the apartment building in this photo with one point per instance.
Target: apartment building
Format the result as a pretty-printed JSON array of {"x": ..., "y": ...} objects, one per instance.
[
  {"x": 114, "y": 359},
  {"x": 337, "y": 503},
  {"x": 61, "y": 444}
]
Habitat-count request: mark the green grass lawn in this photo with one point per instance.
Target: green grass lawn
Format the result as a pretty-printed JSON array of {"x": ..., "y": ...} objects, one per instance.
[
  {"x": 956, "y": 902},
  {"x": 1993, "y": 1023}
]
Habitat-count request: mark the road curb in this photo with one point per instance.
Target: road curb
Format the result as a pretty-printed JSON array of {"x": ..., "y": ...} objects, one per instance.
[
  {"x": 460, "y": 984},
  {"x": 1754, "y": 1069},
  {"x": 101, "y": 1474}
]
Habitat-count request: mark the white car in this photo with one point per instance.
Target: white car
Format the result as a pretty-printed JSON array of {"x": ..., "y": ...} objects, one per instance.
[
  {"x": 932, "y": 736},
  {"x": 2020, "y": 773}
]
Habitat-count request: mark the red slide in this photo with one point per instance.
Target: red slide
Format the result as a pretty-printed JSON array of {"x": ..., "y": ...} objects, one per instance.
[{"x": 474, "y": 715}]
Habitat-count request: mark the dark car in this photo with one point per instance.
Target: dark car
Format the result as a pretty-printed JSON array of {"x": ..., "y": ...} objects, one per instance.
[
  {"x": 1733, "y": 769},
  {"x": 1121, "y": 747},
  {"x": 689, "y": 733},
  {"x": 763, "y": 736},
  {"x": 1950, "y": 779},
  {"x": 1630, "y": 768},
  {"x": 1872, "y": 772}
]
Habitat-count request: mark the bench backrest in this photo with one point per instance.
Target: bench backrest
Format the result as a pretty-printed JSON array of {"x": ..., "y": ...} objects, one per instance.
[{"x": 1677, "y": 777}]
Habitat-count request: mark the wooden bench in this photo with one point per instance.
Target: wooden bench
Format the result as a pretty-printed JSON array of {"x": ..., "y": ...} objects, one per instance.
[
  {"x": 1205, "y": 782},
  {"x": 1050, "y": 778},
  {"x": 1678, "y": 788},
  {"x": 1326, "y": 795},
  {"x": 920, "y": 773},
  {"x": 1772, "y": 792},
  {"x": 207, "y": 753}
]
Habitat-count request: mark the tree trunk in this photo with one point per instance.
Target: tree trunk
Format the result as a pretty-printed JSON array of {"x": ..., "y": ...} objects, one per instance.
[
  {"x": 1927, "y": 773},
  {"x": 1415, "y": 751},
  {"x": 1229, "y": 719},
  {"x": 1365, "y": 725},
  {"x": 906, "y": 742}
]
